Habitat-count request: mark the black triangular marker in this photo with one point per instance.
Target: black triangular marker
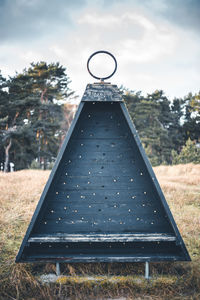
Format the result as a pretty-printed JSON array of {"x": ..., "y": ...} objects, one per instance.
[{"x": 102, "y": 201}]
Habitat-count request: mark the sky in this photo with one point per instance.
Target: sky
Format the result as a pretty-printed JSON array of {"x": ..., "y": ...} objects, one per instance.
[{"x": 156, "y": 42}]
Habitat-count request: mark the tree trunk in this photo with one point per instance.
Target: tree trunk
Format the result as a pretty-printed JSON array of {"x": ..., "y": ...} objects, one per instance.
[{"x": 7, "y": 149}]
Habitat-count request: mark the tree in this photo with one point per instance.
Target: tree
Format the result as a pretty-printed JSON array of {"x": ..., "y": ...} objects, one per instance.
[
  {"x": 51, "y": 84},
  {"x": 33, "y": 114},
  {"x": 190, "y": 153},
  {"x": 151, "y": 116},
  {"x": 176, "y": 124},
  {"x": 15, "y": 107},
  {"x": 3, "y": 119},
  {"x": 191, "y": 117}
]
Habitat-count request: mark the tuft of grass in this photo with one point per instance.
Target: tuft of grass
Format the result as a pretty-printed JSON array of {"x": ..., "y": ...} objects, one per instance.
[{"x": 20, "y": 192}]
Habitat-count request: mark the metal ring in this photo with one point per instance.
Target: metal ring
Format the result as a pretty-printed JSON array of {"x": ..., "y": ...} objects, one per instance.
[{"x": 106, "y": 52}]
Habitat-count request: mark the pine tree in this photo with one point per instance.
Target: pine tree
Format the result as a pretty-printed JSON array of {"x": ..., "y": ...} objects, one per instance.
[
  {"x": 176, "y": 124},
  {"x": 3, "y": 120},
  {"x": 191, "y": 117},
  {"x": 51, "y": 85},
  {"x": 190, "y": 153},
  {"x": 151, "y": 116},
  {"x": 15, "y": 130},
  {"x": 32, "y": 114}
]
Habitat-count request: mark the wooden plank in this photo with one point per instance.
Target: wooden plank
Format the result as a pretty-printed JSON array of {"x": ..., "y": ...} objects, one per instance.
[
  {"x": 102, "y": 238},
  {"x": 98, "y": 225},
  {"x": 103, "y": 258}
]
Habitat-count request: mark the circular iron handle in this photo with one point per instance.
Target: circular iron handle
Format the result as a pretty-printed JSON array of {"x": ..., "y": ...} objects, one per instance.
[{"x": 105, "y": 52}]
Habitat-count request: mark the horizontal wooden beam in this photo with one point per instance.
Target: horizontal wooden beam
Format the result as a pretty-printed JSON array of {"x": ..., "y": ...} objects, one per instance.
[{"x": 68, "y": 238}]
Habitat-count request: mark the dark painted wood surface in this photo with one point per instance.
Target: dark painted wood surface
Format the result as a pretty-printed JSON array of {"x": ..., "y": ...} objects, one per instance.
[
  {"x": 101, "y": 184},
  {"x": 102, "y": 203}
]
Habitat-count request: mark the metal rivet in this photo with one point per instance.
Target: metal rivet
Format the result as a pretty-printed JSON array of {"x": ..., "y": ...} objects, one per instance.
[
  {"x": 115, "y": 205},
  {"x": 82, "y": 145},
  {"x": 67, "y": 196},
  {"x": 52, "y": 211},
  {"x": 75, "y": 210},
  {"x": 64, "y": 182},
  {"x": 137, "y": 219},
  {"x": 65, "y": 208},
  {"x": 115, "y": 180},
  {"x": 145, "y": 193},
  {"x": 131, "y": 179},
  {"x": 118, "y": 193},
  {"x": 141, "y": 173},
  {"x": 59, "y": 219},
  {"x": 89, "y": 206},
  {"x": 56, "y": 193},
  {"x": 89, "y": 172},
  {"x": 45, "y": 222},
  {"x": 80, "y": 156},
  {"x": 129, "y": 210},
  {"x": 93, "y": 194}
]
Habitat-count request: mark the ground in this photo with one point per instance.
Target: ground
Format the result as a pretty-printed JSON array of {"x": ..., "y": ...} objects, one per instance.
[{"x": 20, "y": 192}]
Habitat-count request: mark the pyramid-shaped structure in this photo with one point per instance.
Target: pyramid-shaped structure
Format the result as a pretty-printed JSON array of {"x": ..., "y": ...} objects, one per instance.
[{"x": 102, "y": 201}]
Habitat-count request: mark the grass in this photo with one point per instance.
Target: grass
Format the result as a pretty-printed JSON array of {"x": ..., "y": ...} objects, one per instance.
[{"x": 20, "y": 192}]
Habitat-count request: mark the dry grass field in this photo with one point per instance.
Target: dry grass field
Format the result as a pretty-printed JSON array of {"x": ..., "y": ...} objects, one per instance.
[{"x": 20, "y": 192}]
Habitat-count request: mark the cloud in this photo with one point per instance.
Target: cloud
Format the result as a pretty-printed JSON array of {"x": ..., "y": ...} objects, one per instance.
[
  {"x": 185, "y": 13},
  {"x": 23, "y": 20}
]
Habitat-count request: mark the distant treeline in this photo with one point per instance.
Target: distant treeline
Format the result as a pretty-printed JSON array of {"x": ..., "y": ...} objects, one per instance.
[
  {"x": 35, "y": 114},
  {"x": 169, "y": 130}
]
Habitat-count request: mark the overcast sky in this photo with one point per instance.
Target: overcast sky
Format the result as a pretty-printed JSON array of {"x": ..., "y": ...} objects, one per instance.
[{"x": 156, "y": 42}]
